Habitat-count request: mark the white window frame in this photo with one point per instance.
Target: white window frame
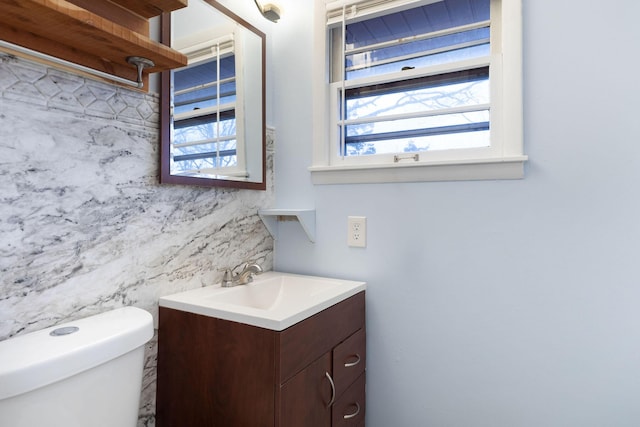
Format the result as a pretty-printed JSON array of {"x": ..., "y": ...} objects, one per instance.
[{"x": 504, "y": 159}]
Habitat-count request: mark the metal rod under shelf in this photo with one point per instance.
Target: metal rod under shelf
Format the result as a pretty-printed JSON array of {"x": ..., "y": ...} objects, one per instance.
[{"x": 65, "y": 63}]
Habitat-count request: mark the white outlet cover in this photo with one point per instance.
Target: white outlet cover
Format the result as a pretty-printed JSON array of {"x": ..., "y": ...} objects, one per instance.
[{"x": 357, "y": 231}]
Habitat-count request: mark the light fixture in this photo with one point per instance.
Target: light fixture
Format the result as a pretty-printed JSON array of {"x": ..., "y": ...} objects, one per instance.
[{"x": 269, "y": 11}]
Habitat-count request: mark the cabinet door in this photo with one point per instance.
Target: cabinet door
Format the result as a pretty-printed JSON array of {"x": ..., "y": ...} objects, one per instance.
[{"x": 304, "y": 398}]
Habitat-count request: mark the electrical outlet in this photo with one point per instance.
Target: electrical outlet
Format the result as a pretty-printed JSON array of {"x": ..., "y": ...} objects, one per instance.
[{"x": 357, "y": 231}]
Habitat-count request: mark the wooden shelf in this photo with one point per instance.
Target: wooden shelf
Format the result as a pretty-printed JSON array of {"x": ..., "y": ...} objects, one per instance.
[
  {"x": 151, "y": 8},
  {"x": 65, "y": 30}
]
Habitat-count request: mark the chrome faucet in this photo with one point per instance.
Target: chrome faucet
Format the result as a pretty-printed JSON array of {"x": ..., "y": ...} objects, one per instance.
[{"x": 229, "y": 279}]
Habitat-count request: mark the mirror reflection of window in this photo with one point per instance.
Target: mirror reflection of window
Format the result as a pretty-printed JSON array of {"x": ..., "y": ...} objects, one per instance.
[
  {"x": 212, "y": 110},
  {"x": 204, "y": 111}
]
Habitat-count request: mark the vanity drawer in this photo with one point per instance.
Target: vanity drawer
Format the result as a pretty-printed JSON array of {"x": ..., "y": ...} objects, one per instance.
[
  {"x": 349, "y": 361},
  {"x": 320, "y": 334},
  {"x": 349, "y": 409}
]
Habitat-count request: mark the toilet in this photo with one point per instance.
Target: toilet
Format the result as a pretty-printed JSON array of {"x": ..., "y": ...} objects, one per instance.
[{"x": 78, "y": 374}]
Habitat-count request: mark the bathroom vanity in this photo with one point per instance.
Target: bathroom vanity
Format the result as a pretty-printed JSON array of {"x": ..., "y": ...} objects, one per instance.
[{"x": 219, "y": 372}]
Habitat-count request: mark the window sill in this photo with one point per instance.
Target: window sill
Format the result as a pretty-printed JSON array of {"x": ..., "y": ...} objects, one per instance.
[{"x": 468, "y": 170}]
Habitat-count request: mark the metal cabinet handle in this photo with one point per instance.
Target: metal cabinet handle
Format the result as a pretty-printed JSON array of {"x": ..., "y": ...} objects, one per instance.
[
  {"x": 333, "y": 389},
  {"x": 352, "y": 364},
  {"x": 349, "y": 416}
]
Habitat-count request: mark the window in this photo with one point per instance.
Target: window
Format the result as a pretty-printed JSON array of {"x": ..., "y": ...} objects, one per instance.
[
  {"x": 204, "y": 111},
  {"x": 419, "y": 90}
]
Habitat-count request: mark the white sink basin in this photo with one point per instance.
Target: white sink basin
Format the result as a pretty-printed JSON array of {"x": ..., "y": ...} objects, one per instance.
[{"x": 273, "y": 300}]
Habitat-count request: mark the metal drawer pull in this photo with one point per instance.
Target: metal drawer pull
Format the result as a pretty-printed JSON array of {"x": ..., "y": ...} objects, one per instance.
[
  {"x": 333, "y": 389},
  {"x": 352, "y": 364},
  {"x": 349, "y": 416}
]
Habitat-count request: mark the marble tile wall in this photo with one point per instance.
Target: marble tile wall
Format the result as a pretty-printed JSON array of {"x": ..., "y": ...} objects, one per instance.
[{"x": 84, "y": 225}]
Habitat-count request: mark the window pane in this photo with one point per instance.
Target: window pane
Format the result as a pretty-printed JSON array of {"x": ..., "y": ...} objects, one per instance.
[
  {"x": 465, "y": 88},
  {"x": 194, "y": 157},
  {"x": 420, "y": 20},
  {"x": 201, "y": 149},
  {"x": 205, "y": 72},
  {"x": 421, "y": 143},
  {"x": 404, "y": 39},
  {"x": 204, "y": 127},
  {"x": 420, "y": 54},
  {"x": 204, "y": 97},
  {"x": 446, "y": 123},
  {"x": 196, "y": 87},
  {"x": 419, "y": 134},
  {"x": 419, "y": 114}
]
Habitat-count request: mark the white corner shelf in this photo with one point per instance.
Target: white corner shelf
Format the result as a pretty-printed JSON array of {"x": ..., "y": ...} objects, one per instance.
[{"x": 306, "y": 218}]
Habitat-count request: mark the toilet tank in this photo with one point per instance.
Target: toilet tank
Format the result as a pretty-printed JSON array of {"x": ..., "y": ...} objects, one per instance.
[{"x": 78, "y": 374}]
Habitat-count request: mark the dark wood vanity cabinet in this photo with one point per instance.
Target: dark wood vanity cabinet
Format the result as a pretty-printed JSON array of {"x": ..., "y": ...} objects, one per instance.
[{"x": 218, "y": 373}]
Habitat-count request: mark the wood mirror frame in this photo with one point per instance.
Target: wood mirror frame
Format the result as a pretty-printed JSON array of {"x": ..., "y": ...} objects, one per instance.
[{"x": 165, "y": 115}]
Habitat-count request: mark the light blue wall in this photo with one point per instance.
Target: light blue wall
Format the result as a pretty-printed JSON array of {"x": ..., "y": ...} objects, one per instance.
[{"x": 501, "y": 304}]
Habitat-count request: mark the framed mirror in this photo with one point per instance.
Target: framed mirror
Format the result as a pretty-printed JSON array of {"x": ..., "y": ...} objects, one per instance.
[{"x": 212, "y": 112}]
